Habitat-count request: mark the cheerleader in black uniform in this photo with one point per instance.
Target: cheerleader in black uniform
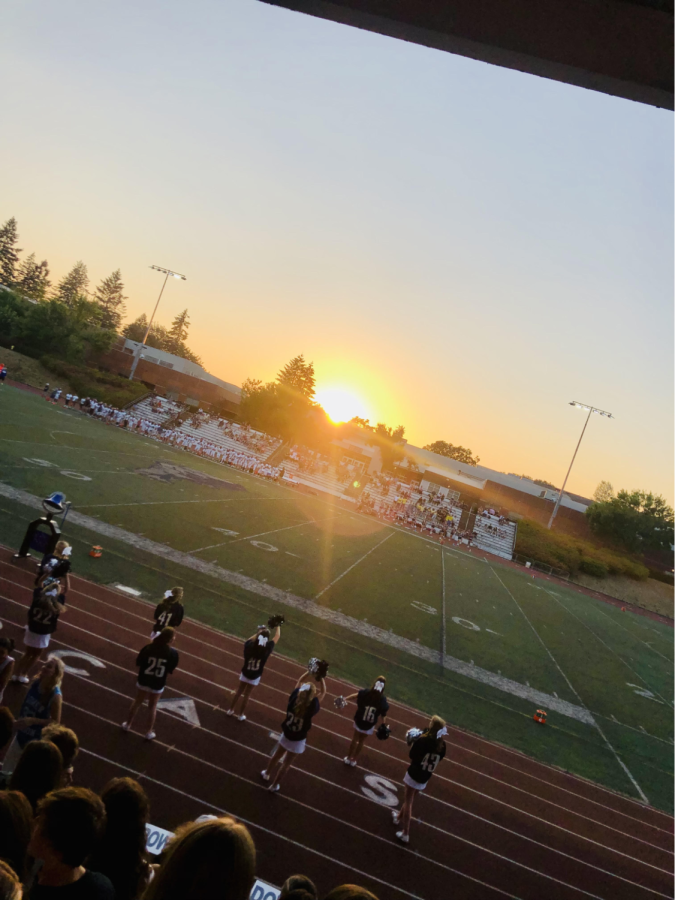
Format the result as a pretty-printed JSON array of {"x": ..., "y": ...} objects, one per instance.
[
  {"x": 169, "y": 613},
  {"x": 426, "y": 751},
  {"x": 303, "y": 704},
  {"x": 370, "y": 705},
  {"x": 155, "y": 663},
  {"x": 257, "y": 650}
]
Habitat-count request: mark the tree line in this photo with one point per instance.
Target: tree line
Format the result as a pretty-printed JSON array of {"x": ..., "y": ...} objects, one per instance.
[{"x": 70, "y": 319}]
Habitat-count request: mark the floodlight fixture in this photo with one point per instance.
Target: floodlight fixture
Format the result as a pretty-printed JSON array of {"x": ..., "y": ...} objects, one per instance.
[
  {"x": 166, "y": 272},
  {"x": 591, "y": 410}
]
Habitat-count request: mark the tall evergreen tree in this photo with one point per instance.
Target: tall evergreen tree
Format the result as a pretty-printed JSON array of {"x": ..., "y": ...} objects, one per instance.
[
  {"x": 298, "y": 375},
  {"x": 33, "y": 278},
  {"x": 110, "y": 297},
  {"x": 9, "y": 252},
  {"x": 73, "y": 285},
  {"x": 179, "y": 330}
]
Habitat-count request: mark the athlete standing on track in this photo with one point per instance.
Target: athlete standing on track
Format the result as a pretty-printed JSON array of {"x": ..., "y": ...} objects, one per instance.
[
  {"x": 303, "y": 704},
  {"x": 169, "y": 613},
  {"x": 370, "y": 705},
  {"x": 155, "y": 662},
  {"x": 427, "y": 750},
  {"x": 57, "y": 566},
  {"x": 257, "y": 650},
  {"x": 43, "y": 614}
]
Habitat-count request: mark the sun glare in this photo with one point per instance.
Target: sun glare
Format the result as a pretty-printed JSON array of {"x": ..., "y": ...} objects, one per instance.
[{"x": 342, "y": 404}]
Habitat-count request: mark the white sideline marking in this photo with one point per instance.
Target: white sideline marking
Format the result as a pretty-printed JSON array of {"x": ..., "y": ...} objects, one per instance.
[
  {"x": 353, "y": 565},
  {"x": 623, "y": 765}
]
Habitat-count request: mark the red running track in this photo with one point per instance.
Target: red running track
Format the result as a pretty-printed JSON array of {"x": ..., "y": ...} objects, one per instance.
[{"x": 493, "y": 823}]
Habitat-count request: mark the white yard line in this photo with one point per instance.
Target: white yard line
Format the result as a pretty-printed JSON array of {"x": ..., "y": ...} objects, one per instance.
[
  {"x": 611, "y": 650},
  {"x": 353, "y": 566},
  {"x": 625, "y": 768},
  {"x": 635, "y": 637}
]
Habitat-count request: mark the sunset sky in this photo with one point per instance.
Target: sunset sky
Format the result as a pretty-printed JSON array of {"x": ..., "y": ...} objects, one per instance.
[{"x": 463, "y": 248}]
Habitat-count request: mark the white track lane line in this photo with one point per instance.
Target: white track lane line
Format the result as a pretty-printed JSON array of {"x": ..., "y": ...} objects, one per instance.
[
  {"x": 611, "y": 649},
  {"x": 623, "y": 765},
  {"x": 381, "y": 752},
  {"x": 353, "y": 566},
  {"x": 436, "y": 799},
  {"x": 371, "y": 834}
]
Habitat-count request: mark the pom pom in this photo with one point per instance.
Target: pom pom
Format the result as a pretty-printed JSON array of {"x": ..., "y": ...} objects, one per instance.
[
  {"x": 339, "y": 703},
  {"x": 412, "y": 734},
  {"x": 275, "y": 621},
  {"x": 318, "y": 667},
  {"x": 383, "y": 732}
]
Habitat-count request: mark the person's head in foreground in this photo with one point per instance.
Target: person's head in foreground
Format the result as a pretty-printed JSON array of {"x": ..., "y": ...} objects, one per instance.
[
  {"x": 213, "y": 858},
  {"x": 68, "y": 825},
  {"x": 349, "y": 892},
  {"x": 66, "y": 741},
  {"x": 10, "y": 885},
  {"x": 38, "y": 771},
  {"x": 298, "y": 887},
  {"x": 16, "y": 821}
]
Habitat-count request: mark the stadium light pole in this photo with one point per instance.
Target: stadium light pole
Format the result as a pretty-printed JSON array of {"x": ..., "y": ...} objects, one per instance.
[
  {"x": 137, "y": 355},
  {"x": 591, "y": 409}
]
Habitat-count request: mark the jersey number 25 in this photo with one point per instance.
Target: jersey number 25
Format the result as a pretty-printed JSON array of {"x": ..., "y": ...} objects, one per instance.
[{"x": 156, "y": 667}]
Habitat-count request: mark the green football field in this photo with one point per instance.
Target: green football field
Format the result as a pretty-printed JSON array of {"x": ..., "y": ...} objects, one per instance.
[{"x": 481, "y": 643}]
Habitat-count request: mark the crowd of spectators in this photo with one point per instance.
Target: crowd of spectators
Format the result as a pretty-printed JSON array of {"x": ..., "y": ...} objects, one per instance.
[{"x": 62, "y": 841}]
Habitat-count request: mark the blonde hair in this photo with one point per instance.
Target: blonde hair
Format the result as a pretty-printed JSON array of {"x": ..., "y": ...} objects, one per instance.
[
  {"x": 177, "y": 593},
  {"x": 379, "y": 678},
  {"x": 58, "y": 676},
  {"x": 303, "y": 700},
  {"x": 214, "y": 859},
  {"x": 60, "y": 547},
  {"x": 435, "y": 725}
]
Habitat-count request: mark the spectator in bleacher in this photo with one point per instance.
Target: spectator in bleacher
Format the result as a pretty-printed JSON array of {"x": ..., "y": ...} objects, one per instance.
[
  {"x": 38, "y": 771},
  {"x": 41, "y": 706},
  {"x": 10, "y": 884},
  {"x": 214, "y": 859},
  {"x": 68, "y": 827},
  {"x": 43, "y": 615},
  {"x": 349, "y": 892},
  {"x": 298, "y": 887},
  {"x": 169, "y": 612},
  {"x": 426, "y": 751},
  {"x": 121, "y": 852},
  {"x": 257, "y": 650},
  {"x": 6, "y": 663},
  {"x": 303, "y": 704},
  {"x": 155, "y": 662},
  {"x": 16, "y": 821},
  {"x": 370, "y": 705},
  {"x": 66, "y": 740}
]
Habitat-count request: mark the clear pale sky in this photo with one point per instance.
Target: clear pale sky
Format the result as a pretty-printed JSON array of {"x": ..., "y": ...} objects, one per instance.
[{"x": 465, "y": 247}]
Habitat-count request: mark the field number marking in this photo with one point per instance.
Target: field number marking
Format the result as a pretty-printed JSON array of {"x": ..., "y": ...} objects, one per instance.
[
  {"x": 261, "y": 545},
  {"x": 424, "y": 608},
  {"x": 381, "y": 790},
  {"x": 643, "y": 692},
  {"x": 76, "y": 475},
  {"x": 226, "y": 531},
  {"x": 465, "y": 623},
  {"x": 38, "y": 462}
]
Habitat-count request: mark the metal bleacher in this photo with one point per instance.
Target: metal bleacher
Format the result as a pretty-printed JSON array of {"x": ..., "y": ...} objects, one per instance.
[{"x": 493, "y": 537}]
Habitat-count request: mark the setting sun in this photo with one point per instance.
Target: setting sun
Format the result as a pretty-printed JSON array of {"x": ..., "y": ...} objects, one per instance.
[{"x": 342, "y": 404}]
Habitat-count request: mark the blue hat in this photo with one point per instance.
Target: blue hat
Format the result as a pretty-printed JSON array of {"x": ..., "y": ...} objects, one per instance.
[{"x": 55, "y": 502}]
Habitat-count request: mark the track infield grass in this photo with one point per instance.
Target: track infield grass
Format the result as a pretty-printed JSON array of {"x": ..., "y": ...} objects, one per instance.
[{"x": 543, "y": 635}]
